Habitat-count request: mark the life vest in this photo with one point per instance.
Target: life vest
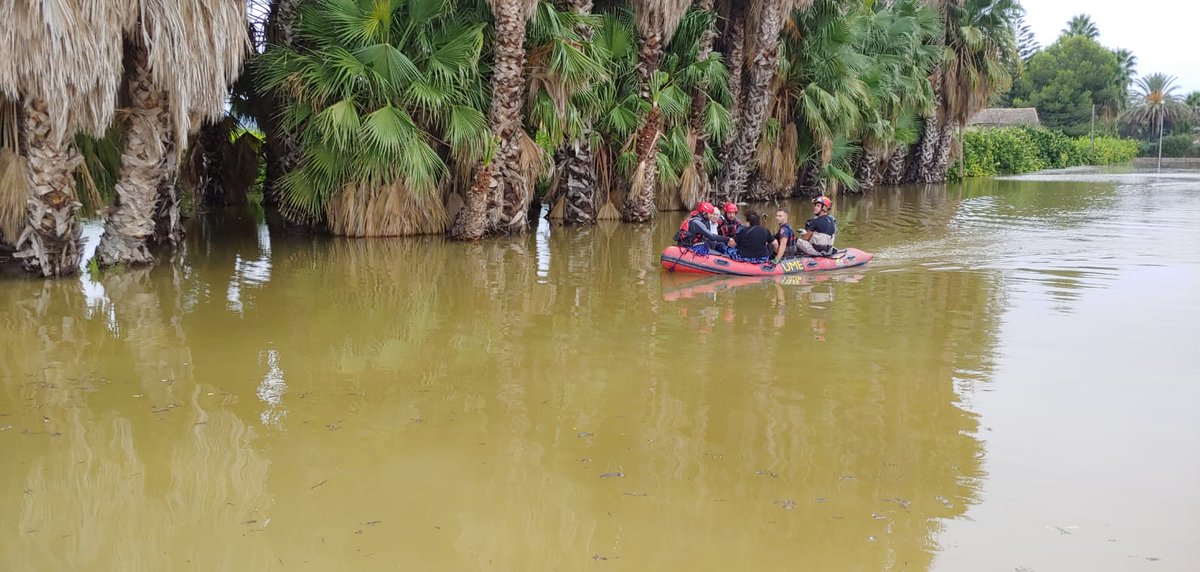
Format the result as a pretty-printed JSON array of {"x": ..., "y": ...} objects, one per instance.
[
  {"x": 684, "y": 236},
  {"x": 729, "y": 228}
]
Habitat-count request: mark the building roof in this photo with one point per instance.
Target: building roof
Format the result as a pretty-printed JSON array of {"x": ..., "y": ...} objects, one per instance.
[{"x": 1004, "y": 117}]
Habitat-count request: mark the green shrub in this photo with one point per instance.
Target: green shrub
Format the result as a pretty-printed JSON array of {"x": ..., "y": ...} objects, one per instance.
[
  {"x": 1172, "y": 146},
  {"x": 1016, "y": 150},
  {"x": 1109, "y": 150}
]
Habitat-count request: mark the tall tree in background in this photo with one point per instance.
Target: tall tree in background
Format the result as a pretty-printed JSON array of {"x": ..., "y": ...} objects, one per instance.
[
  {"x": 1065, "y": 80},
  {"x": 1081, "y": 25},
  {"x": 1155, "y": 102}
]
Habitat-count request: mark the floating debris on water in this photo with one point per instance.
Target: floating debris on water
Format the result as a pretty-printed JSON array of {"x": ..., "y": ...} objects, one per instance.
[
  {"x": 612, "y": 475},
  {"x": 787, "y": 504},
  {"x": 771, "y": 474},
  {"x": 820, "y": 500},
  {"x": 583, "y": 434}
]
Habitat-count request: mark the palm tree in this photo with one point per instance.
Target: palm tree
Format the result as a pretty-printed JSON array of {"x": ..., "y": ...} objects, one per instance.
[
  {"x": 765, "y": 23},
  {"x": 43, "y": 107},
  {"x": 656, "y": 22},
  {"x": 1155, "y": 102},
  {"x": 1081, "y": 25},
  {"x": 576, "y": 176},
  {"x": 979, "y": 40},
  {"x": 381, "y": 100},
  {"x": 896, "y": 39},
  {"x": 1128, "y": 65},
  {"x": 1193, "y": 101},
  {"x": 171, "y": 92}
]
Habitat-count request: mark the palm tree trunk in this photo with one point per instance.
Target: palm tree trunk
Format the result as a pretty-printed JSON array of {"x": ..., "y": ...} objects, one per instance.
[
  {"x": 577, "y": 183},
  {"x": 926, "y": 151},
  {"x": 639, "y": 203},
  {"x": 735, "y": 57},
  {"x": 146, "y": 177},
  {"x": 508, "y": 97},
  {"x": 472, "y": 221},
  {"x": 1160, "y": 138},
  {"x": 507, "y": 202},
  {"x": 50, "y": 243},
  {"x": 699, "y": 103},
  {"x": 866, "y": 169},
  {"x": 893, "y": 173},
  {"x": 937, "y": 174},
  {"x": 283, "y": 147},
  {"x": 755, "y": 99}
]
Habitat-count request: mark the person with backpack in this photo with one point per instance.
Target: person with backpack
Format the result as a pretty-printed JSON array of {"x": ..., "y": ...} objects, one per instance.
[{"x": 700, "y": 228}]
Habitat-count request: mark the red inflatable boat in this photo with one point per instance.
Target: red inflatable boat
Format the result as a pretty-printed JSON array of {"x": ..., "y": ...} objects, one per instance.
[{"x": 682, "y": 259}]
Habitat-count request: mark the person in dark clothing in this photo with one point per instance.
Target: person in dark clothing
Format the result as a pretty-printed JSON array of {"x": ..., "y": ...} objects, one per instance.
[
  {"x": 754, "y": 241},
  {"x": 730, "y": 225},
  {"x": 785, "y": 238},
  {"x": 700, "y": 227}
]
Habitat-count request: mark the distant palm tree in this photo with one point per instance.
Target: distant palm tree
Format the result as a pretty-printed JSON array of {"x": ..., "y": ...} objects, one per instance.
[
  {"x": 1193, "y": 101},
  {"x": 1128, "y": 65},
  {"x": 1081, "y": 25},
  {"x": 1155, "y": 101}
]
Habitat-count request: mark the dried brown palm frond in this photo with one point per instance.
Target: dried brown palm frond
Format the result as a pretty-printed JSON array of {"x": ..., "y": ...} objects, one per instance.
[
  {"x": 196, "y": 49},
  {"x": 662, "y": 16},
  {"x": 776, "y": 158},
  {"x": 68, "y": 54},
  {"x": 14, "y": 193},
  {"x": 388, "y": 210}
]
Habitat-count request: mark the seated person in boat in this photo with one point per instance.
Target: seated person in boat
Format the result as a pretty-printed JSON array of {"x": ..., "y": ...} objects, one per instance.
[
  {"x": 730, "y": 225},
  {"x": 785, "y": 237},
  {"x": 701, "y": 228},
  {"x": 818, "y": 231},
  {"x": 754, "y": 242}
]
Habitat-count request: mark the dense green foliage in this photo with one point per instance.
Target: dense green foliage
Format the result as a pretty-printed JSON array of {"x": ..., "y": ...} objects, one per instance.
[
  {"x": 1066, "y": 79},
  {"x": 1172, "y": 146},
  {"x": 1016, "y": 150}
]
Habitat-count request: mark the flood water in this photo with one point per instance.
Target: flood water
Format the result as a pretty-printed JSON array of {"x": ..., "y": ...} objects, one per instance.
[{"x": 1012, "y": 384}]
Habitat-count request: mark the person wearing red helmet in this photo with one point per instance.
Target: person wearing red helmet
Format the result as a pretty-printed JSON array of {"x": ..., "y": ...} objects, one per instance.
[
  {"x": 819, "y": 230},
  {"x": 701, "y": 227},
  {"x": 729, "y": 225}
]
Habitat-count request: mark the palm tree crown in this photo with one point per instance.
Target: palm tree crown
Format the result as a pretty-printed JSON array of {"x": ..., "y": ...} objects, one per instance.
[{"x": 1081, "y": 25}]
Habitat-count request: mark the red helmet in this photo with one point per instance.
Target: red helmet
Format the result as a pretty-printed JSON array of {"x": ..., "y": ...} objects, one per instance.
[
  {"x": 705, "y": 208},
  {"x": 730, "y": 208},
  {"x": 824, "y": 201}
]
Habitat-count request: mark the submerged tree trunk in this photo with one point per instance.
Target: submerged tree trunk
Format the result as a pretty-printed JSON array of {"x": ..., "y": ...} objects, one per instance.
[
  {"x": 866, "y": 169},
  {"x": 508, "y": 97},
  {"x": 50, "y": 242},
  {"x": 505, "y": 206},
  {"x": 577, "y": 181},
  {"x": 756, "y": 98},
  {"x": 282, "y": 147},
  {"x": 639, "y": 202},
  {"x": 472, "y": 220},
  {"x": 941, "y": 163},
  {"x": 145, "y": 183},
  {"x": 893, "y": 173},
  {"x": 577, "y": 184}
]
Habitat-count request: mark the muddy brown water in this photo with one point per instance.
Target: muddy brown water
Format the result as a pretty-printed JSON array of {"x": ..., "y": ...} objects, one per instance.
[{"x": 1011, "y": 385}]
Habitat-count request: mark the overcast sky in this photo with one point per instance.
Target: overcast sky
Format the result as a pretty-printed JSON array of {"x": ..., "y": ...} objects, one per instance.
[{"x": 1162, "y": 34}]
